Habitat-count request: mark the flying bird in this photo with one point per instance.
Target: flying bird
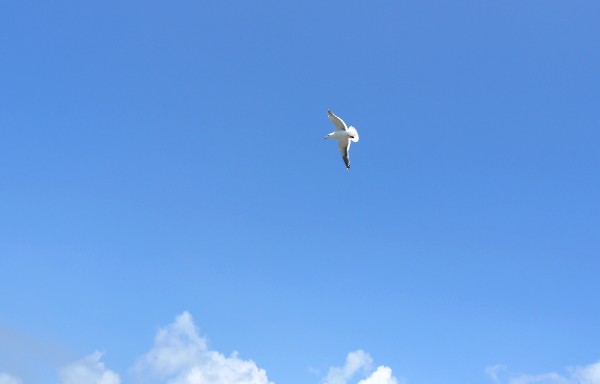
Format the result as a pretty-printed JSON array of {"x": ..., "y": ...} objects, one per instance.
[{"x": 343, "y": 135}]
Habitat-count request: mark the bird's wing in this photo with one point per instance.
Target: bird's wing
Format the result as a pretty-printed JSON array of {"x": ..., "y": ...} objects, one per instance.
[
  {"x": 339, "y": 123},
  {"x": 344, "y": 147}
]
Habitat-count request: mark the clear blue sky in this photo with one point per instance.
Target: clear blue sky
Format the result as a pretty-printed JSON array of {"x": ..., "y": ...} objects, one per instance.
[{"x": 162, "y": 166}]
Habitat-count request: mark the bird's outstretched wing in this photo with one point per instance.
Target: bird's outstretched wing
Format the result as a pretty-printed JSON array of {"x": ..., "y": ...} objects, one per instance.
[
  {"x": 344, "y": 147},
  {"x": 337, "y": 122}
]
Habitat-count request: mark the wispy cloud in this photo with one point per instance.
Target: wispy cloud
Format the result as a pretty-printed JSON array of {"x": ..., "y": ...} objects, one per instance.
[
  {"x": 181, "y": 356},
  {"x": 355, "y": 362},
  {"x": 89, "y": 370},
  {"x": 588, "y": 374},
  {"x": 360, "y": 362},
  {"x": 5, "y": 378},
  {"x": 494, "y": 372}
]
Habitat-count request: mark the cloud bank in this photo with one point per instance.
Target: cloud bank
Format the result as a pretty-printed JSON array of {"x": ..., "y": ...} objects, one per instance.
[
  {"x": 588, "y": 374},
  {"x": 180, "y": 355}
]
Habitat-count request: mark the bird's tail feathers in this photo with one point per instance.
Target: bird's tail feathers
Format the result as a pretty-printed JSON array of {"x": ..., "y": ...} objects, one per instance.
[{"x": 353, "y": 132}]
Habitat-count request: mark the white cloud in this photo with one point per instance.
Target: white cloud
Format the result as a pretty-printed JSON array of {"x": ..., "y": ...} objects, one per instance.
[
  {"x": 355, "y": 361},
  {"x": 181, "y": 356},
  {"x": 382, "y": 375},
  {"x": 589, "y": 374},
  {"x": 89, "y": 370},
  {"x": 360, "y": 361},
  {"x": 5, "y": 378}
]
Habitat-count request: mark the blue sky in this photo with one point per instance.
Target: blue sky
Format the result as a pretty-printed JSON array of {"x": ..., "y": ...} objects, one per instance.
[{"x": 166, "y": 194}]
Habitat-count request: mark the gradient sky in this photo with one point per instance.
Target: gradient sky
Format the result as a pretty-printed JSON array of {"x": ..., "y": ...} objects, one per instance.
[{"x": 165, "y": 190}]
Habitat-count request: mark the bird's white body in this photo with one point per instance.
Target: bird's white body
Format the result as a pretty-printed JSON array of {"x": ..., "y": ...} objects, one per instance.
[
  {"x": 344, "y": 135},
  {"x": 341, "y": 135}
]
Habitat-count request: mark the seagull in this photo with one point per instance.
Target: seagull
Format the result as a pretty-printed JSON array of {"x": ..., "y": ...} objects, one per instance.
[{"x": 343, "y": 135}]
